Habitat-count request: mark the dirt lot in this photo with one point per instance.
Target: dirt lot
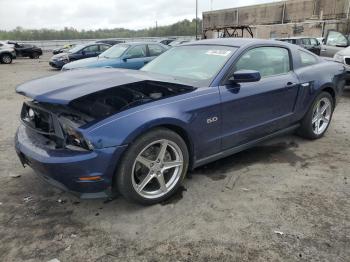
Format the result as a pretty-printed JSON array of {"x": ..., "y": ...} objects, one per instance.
[{"x": 229, "y": 210}]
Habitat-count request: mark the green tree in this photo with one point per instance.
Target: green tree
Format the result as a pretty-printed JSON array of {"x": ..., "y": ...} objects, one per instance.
[{"x": 181, "y": 28}]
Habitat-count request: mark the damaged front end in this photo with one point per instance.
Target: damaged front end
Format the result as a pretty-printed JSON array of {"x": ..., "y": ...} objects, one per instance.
[
  {"x": 54, "y": 138},
  {"x": 61, "y": 123},
  {"x": 57, "y": 123}
]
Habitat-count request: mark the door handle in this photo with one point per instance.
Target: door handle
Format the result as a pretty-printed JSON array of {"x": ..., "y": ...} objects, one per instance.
[{"x": 291, "y": 85}]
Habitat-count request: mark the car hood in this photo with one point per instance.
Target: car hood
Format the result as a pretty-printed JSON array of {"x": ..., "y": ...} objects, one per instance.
[
  {"x": 65, "y": 87},
  {"x": 59, "y": 56},
  {"x": 344, "y": 52},
  {"x": 90, "y": 62}
]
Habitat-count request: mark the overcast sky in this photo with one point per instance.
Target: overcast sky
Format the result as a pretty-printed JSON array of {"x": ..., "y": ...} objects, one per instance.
[{"x": 94, "y": 14}]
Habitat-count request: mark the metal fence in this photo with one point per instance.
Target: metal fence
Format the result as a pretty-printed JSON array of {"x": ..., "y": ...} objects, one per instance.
[{"x": 49, "y": 45}]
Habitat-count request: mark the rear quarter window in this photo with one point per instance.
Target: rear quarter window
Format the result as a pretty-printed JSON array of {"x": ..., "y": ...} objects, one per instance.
[{"x": 307, "y": 59}]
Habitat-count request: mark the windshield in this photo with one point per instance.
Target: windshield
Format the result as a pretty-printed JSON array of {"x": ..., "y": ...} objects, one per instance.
[
  {"x": 76, "y": 49},
  {"x": 198, "y": 63},
  {"x": 115, "y": 51}
]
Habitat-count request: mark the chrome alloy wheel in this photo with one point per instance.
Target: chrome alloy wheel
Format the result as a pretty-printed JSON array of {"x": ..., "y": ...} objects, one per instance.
[
  {"x": 6, "y": 59},
  {"x": 321, "y": 115},
  {"x": 157, "y": 169}
]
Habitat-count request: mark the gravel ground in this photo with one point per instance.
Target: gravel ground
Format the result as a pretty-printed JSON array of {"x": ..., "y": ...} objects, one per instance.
[{"x": 287, "y": 200}]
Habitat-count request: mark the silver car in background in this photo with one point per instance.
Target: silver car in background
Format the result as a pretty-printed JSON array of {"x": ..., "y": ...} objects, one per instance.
[{"x": 7, "y": 53}]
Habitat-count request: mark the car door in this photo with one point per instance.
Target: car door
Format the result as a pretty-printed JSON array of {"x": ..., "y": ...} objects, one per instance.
[
  {"x": 334, "y": 42},
  {"x": 135, "y": 57},
  {"x": 256, "y": 109},
  {"x": 306, "y": 43},
  {"x": 154, "y": 50},
  {"x": 103, "y": 48},
  {"x": 315, "y": 46},
  {"x": 20, "y": 50},
  {"x": 90, "y": 51}
]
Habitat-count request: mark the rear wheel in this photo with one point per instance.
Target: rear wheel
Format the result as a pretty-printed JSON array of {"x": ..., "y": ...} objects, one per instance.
[
  {"x": 6, "y": 59},
  {"x": 317, "y": 120},
  {"x": 153, "y": 167}
]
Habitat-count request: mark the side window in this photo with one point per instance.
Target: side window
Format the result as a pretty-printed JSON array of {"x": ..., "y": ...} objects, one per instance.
[
  {"x": 91, "y": 48},
  {"x": 313, "y": 41},
  {"x": 267, "y": 60},
  {"x": 306, "y": 41},
  {"x": 104, "y": 48},
  {"x": 307, "y": 59},
  {"x": 137, "y": 52},
  {"x": 335, "y": 38},
  {"x": 155, "y": 50}
]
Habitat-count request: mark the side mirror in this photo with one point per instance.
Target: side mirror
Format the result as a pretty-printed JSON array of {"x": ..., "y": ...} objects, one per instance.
[
  {"x": 83, "y": 52},
  {"x": 245, "y": 76},
  {"x": 126, "y": 57}
]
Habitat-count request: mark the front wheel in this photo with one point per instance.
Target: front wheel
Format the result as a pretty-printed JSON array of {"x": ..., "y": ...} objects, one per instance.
[
  {"x": 153, "y": 167},
  {"x": 317, "y": 120},
  {"x": 6, "y": 59}
]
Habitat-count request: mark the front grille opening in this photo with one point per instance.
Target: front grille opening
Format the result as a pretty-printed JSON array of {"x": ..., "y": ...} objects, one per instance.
[
  {"x": 42, "y": 122},
  {"x": 37, "y": 119},
  {"x": 347, "y": 60}
]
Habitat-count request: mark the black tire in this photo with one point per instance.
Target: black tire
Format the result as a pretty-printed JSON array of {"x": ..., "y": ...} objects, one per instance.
[
  {"x": 306, "y": 129},
  {"x": 35, "y": 55},
  {"x": 123, "y": 181},
  {"x": 6, "y": 59}
]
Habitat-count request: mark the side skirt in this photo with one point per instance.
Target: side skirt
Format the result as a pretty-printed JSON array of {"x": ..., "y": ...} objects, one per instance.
[{"x": 240, "y": 148}]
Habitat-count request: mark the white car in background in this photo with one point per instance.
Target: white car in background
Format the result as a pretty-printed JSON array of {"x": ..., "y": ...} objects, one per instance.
[{"x": 7, "y": 53}]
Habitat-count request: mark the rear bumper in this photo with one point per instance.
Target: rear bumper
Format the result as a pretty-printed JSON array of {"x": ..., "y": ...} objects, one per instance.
[{"x": 64, "y": 168}]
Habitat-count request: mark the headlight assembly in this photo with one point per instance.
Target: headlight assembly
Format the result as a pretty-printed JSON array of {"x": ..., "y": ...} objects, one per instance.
[{"x": 73, "y": 138}]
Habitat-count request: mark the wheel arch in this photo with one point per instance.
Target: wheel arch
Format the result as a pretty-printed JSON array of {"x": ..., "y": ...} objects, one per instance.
[
  {"x": 175, "y": 126},
  {"x": 6, "y": 53},
  {"x": 331, "y": 91}
]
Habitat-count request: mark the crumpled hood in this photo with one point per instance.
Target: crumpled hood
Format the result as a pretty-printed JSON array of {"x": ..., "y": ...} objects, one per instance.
[
  {"x": 64, "y": 87},
  {"x": 89, "y": 62}
]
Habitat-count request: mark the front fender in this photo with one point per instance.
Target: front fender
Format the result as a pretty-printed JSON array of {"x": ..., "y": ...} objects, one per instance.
[
  {"x": 173, "y": 122},
  {"x": 123, "y": 129}
]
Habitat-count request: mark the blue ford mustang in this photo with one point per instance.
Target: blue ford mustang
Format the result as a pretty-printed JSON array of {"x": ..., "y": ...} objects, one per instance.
[
  {"x": 98, "y": 131},
  {"x": 131, "y": 56}
]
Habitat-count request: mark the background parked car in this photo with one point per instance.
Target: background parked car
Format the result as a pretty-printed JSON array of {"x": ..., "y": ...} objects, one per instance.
[
  {"x": 63, "y": 49},
  {"x": 130, "y": 55},
  {"x": 27, "y": 50},
  {"x": 309, "y": 43},
  {"x": 7, "y": 53},
  {"x": 167, "y": 41},
  {"x": 110, "y": 41},
  {"x": 333, "y": 43},
  {"x": 178, "y": 42},
  {"x": 76, "y": 53}
]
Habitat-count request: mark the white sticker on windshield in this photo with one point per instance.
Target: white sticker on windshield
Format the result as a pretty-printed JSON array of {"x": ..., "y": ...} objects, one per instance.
[{"x": 218, "y": 52}]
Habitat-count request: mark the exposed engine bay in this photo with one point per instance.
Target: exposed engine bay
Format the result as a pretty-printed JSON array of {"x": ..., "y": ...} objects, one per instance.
[
  {"x": 110, "y": 101},
  {"x": 60, "y": 122}
]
